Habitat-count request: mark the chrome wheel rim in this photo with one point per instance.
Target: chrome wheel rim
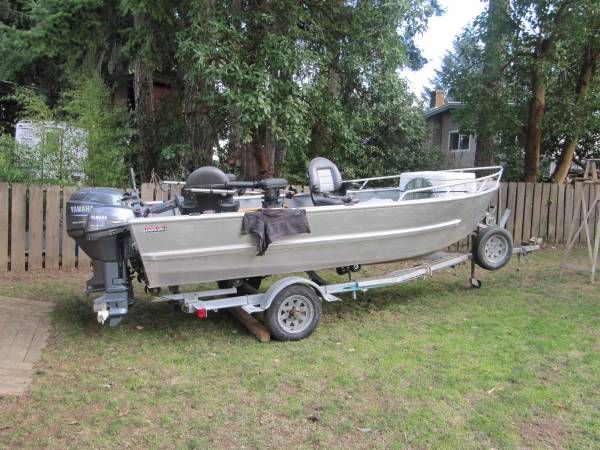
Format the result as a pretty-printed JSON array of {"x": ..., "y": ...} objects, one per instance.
[
  {"x": 295, "y": 314},
  {"x": 496, "y": 248}
]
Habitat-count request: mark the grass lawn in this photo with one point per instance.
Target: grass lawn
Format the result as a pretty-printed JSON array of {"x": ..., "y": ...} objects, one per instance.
[{"x": 432, "y": 363}]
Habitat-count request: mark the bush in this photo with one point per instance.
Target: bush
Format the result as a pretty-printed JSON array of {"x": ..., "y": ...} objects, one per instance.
[
  {"x": 8, "y": 169},
  {"x": 88, "y": 105},
  {"x": 86, "y": 118}
]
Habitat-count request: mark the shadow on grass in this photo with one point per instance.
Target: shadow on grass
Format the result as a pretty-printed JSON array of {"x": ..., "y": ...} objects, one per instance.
[
  {"x": 427, "y": 298},
  {"x": 73, "y": 315}
]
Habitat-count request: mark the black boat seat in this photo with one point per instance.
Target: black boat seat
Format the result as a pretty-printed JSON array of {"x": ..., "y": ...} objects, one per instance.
[{"x": 326, "y": 185}]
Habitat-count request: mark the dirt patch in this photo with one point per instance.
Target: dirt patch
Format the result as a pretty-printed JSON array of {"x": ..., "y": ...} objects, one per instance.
[
  {"x": 288, "y": 388},
  {"x": 596, "y": 335},
  {"x": 547, "y": 432}
]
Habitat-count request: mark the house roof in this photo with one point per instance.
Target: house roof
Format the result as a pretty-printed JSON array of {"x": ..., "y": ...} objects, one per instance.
[{"x": 448, "y": 106}]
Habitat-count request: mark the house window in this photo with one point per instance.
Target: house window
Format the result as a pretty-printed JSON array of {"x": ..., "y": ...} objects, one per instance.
[{"x": 458, "y": 141}]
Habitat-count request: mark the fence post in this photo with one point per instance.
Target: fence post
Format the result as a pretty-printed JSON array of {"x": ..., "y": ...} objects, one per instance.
[
  {"x": 147, "y": 192},
  {"x": 4, "y": 227},
  {"x": 17, "y": 227},
  {"x": 36, "y": 227},
  {"x": 519, "y": 208},
  {"x": 560, "y": 213},
  {"x": 52, "y": 246},
  {"x": 569, "y": 194},
  {"x": 552, "y": 213},
  {"x": 68, "y": 244},
  {"x": 545, "y": 208},
  {"x": 536, "y": 210}
]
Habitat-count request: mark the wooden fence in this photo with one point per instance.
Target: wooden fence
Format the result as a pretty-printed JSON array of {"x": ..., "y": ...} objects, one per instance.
[
  {"x": 541, "y": 210},
  {"x": 33, "y": 233}
]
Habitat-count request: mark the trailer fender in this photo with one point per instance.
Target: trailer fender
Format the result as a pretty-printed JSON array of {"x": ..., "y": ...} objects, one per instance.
[{"x": 279, "y": 285}]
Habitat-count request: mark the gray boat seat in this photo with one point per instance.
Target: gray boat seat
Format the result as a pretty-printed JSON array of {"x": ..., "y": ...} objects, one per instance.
[{"x": 326, "y": 185}]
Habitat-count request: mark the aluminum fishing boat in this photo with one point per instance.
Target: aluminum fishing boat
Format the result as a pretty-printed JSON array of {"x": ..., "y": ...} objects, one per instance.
[
  {"x": 377, "y": 225},
  {"x": 197, "y": 237}
]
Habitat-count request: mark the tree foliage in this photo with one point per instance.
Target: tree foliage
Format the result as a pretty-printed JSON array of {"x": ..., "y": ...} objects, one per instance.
[
  {"x": 52, "y": 160},
  {"x": 520, "y": 70},
  {"x": 84, "y": 117},
  {"x": 267, "y": 85},
  {"x": 87, "y": 105}
]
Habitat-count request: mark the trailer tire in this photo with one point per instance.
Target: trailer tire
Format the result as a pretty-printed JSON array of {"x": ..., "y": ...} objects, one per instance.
[
  {"x": 493, "y": 248},
  {"x": 294, "y": 313}
]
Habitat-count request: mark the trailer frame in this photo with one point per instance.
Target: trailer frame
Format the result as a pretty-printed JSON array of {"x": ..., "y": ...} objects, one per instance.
[{"x": 201, "y": 302}]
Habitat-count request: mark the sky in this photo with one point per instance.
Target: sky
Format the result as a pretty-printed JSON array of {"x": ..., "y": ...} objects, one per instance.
[{"x": 439, "y": 37}]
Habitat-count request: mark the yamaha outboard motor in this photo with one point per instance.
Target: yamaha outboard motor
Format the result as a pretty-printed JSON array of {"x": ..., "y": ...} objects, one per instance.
[
  {"x": 97, "y": 220},
  {"x": 79, "y": 206}
]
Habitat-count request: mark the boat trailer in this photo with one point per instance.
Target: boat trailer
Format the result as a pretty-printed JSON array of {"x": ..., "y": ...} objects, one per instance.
[{"x": 292, "y": 305}]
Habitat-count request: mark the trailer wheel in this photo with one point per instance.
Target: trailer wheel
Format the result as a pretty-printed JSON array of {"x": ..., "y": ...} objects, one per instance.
[
  {"x": 294, "y": 313},
  {"x": 493, "y": 248}
]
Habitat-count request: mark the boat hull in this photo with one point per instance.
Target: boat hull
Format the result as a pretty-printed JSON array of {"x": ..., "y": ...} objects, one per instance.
[{"x": 191, "y": 249}]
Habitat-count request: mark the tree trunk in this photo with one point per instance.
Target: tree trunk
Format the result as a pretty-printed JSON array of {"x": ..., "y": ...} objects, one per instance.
[
  {"x": 564, "y": 161},
  {"x": 485, "y": 155},
  {"x": 543, "y": 57},
  {"x": 254, "y": 160},
  {"x": 258, "y": 150},
  {"x": 279, "y": 160},
  {"x": 588, "y": 68},
  {"x": 144, "y": 113},
  {"x": 248, "y": 165},
  {"x": 275, "y": 153},
  {"x": 537, "y": 107},
  {"x": 202, "y": 135},
  {"x": 234, "y": 144}
]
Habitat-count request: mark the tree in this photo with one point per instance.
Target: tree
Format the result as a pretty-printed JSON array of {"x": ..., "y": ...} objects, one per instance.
[
  {"x": 87, "y": 105},
  {"x": 84, "y": 118},
  {"x": 258, "y": 81},
  {"x": 529, "y": 104},
  {"x": 549, "y": 25},
  {"x": 581, "y": 108},
  {"x": 496, "y": 115},
  {"x": 497, "y": 31},
  {"x": 43, "y": 43}
]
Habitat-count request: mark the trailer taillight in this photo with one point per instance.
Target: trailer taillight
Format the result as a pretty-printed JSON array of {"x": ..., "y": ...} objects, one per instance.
[{"x": 201, "y": 313}]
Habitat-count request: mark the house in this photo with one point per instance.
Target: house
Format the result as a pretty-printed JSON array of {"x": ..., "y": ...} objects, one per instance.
[{"x": 444, "y": 132}]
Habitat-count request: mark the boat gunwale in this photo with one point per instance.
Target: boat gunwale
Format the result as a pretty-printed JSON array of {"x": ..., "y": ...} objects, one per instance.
[{"x": 318, "y": 209}]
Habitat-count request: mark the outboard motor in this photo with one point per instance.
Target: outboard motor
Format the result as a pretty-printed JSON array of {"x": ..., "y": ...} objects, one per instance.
[
  {"x": 107, "y": 231},
  {"x": 79, "y": 206},
  {"x": 97, "y": 219}
]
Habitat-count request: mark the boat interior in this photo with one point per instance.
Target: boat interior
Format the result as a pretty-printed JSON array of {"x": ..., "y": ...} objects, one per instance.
[{"x": 209, "y": 190}]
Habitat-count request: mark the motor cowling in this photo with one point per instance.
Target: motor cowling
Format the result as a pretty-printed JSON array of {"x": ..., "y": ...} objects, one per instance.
[
  {"x": 107, "y": 221},
  {"x": 83, "y": 201}
]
